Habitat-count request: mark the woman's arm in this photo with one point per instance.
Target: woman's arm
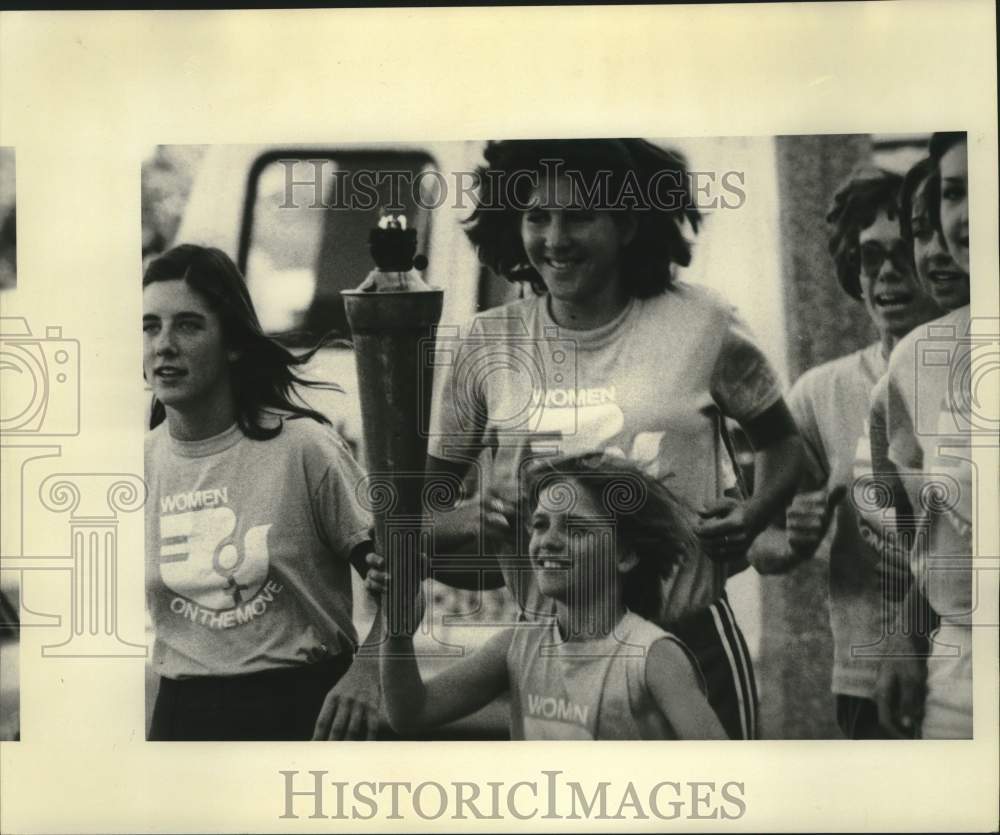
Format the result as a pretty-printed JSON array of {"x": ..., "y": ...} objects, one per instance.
[
  {"x": 413, "y": 704},
  {"x": 729, "y": 527},
  {"x": 457, "y": 439},
  {"x": 671, "y": 680},
  {"x": 461, "y": 531},
  {"x": 777, "y": 462},
  {"x": 351, "y": 708},
  {"x": 793, "y": 536}
]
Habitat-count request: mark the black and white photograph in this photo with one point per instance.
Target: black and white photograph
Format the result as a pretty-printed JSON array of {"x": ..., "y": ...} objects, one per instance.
[
  {"x": 551, "y": 417},
  {"x": 9, "y": 586},
  {"x": 525, "y": 376}
]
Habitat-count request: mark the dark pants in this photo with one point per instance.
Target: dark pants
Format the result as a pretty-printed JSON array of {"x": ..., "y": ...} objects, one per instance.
[
  {"x": 718, "y": 646},
  {"x": 279, "y": 704},
  {"x": 858, "y": 718}
]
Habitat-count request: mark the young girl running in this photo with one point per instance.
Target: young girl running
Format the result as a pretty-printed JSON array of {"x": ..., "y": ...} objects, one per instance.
[{"x": 602, "y": 535}]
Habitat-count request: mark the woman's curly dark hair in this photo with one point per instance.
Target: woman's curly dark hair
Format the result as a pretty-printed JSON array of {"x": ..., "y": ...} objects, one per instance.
[
  {"x": 624, "y": 174},
  {"x": 648, "y": 519},
  {"x": 263, "y": 374},
  {"x": 866, "y": 192}
]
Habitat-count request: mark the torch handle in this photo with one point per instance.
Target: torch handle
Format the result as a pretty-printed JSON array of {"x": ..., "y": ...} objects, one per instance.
[{"x": 393, "y": 341}]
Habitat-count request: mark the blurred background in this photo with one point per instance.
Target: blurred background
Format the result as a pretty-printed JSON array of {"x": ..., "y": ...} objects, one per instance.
[{"x": 768, "y": 255}]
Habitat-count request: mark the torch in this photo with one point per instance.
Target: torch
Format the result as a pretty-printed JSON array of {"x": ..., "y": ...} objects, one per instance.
[{"x": 392, "y": 316}]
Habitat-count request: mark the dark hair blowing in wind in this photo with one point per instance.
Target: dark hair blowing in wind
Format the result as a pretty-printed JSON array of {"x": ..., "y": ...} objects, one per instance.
[{"x": 264, "y": 374}]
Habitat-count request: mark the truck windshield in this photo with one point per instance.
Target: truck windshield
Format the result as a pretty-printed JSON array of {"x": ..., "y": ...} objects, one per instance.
[{"x": 305, "y": 231}]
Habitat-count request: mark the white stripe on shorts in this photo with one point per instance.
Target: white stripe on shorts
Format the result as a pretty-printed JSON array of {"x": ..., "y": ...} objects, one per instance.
[
  {"x": 721, "y": 613},
  {"x": 748, "y": 684}
]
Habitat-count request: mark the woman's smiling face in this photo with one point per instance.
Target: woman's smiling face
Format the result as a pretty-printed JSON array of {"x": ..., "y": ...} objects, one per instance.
[
  {"x": 895, "y": 300},
  {"x": 572, "y": 546},
  {"x": 576, "y": 250},
  {"x": 955, "y": 202},
  {"x": 946, "y": 282}
]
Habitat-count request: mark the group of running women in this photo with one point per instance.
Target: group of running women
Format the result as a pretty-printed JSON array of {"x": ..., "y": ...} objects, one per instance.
[{"x": 601, "y": 484}]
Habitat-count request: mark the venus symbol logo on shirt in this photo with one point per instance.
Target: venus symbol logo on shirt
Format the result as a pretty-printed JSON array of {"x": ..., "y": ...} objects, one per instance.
[
  {"x": 200, "y": 559},
  {"x": 581, "y": 428}
]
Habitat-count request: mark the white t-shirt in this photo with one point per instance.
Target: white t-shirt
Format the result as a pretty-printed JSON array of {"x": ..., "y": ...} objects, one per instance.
[
  {"x": 830, "y": 404},
  {"x": 247, "y": 546},
  {"x": 649, "y": 386},
  {"x": 931, "y": 424}
]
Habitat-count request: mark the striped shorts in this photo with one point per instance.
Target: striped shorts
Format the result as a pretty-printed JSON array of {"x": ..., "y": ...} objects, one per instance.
[{"x": 716, "y": 641}]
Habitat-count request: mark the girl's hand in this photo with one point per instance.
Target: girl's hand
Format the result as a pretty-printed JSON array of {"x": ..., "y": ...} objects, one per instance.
[
  {"x": 376, "y": 578},
  {"x": 499, "y": 520},
  {"x": 377, "y": 582}
]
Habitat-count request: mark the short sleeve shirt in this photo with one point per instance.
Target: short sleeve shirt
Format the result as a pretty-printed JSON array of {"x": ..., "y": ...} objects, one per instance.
[
  {"x": 650, "y": 386},
  {"x": 247, "y": 549},
  {"x": 830, "y": 404}
]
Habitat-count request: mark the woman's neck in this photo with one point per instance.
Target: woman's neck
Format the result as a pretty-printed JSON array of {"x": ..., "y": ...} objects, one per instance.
[
  {"x": 888, "y": 341},
  {"x": 586, "y": 315},
  {"x": 582, "y": 622},
  {"x": 201, "y": 420}
]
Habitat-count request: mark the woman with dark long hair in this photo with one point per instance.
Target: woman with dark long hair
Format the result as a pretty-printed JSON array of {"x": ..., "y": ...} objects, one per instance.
[{"x": 252, "y": 523}]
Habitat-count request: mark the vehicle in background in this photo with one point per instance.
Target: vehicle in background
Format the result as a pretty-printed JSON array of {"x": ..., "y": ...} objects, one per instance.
[{"x": 296, "y": 218}]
